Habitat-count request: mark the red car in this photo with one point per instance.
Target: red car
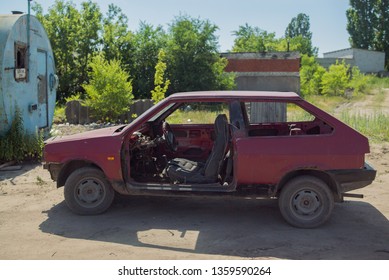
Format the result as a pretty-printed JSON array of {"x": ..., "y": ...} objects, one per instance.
[{"x": 231, "y": 143}]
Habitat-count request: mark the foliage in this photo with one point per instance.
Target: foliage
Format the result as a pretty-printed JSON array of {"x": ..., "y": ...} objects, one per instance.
[
  {"x": 253, "y": 39},
  {"x": 161, "y": 86},
  {"x": 74, "y": 37},
  {"x": 88, "y": 40},
  {"x": 77, "y": 35},
  {"x": 223, "y": 80},
  {"x": 368, "y": 25},
  {"x": 298, "y": 43},
  {"x": 373, "y": 125},
  {"x": 109, "y": 92},
  {"x": 361, "y": 19},
  {"x": 192, "y": 56},
  {"x": 61, "y": 24},
  {"x": 147, "y": 42},
  {"x": 336, "y": 79},
  {"x": 117, "y": 40},
  {"x": 59, "y": 114},
  {"x": 17, "y": 144},
  {"x": 311, "y": 74},
  {"x": 299, "y": 27},
  {"x": 77, "y": 96},
  {"x": 358, "y": 81},
  {"x": 374, "y": 83}
]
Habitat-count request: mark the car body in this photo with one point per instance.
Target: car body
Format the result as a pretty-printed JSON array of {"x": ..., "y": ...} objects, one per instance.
[{"x": 275, "y": 145}]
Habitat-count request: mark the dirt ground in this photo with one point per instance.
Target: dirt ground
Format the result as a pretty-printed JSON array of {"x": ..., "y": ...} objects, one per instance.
[{"x": 36, "y": 224}]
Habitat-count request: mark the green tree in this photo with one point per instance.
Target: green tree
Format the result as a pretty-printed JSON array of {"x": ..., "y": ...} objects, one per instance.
[
  {"x": 161, "y": 86},
  {"x": 109, "y": 92},
  {"x": 192, "y": 55},
  {"x": 147, "y": 41},
  {"x": 299, "y": 25},
  {"x": 74, "y": 37},
  {"x": 382, "y": 29},
  {"x": 253, "y": 39},
  {"x": 299, "y": 36},
  {"x": 311, "y": 74},
  {"x": 361, "y": 22},
  {"x": 298, "y": 43},
  {"x": 62, "y": 26},
  {"x": 117, "y": 40},
  {"x": 88, "y": 40},
  {"x": 368, "y": 25}
]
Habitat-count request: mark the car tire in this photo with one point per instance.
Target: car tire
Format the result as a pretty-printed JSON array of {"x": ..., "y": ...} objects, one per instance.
[
  {"x": 88, "y": 192},
  {"x": 306, "y": 202}
]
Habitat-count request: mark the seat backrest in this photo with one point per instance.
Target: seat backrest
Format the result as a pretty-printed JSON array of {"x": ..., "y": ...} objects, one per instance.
[{"x": 215, "y": 160}]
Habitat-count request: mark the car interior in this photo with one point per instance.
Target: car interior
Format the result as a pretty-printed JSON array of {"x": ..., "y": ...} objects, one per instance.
[{"x": 180, "y": 150}]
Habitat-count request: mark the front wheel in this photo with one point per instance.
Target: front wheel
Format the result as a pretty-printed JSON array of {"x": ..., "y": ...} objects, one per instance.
[
  {"x": 88, "y": 192},
  {"x": 306, "y": 202}
]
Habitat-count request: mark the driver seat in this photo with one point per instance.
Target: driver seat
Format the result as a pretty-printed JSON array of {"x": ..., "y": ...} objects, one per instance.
[{"x": 185, "y": 171}]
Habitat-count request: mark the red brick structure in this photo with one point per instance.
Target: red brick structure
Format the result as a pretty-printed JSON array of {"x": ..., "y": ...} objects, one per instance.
[{"x": 278, "y": 71}]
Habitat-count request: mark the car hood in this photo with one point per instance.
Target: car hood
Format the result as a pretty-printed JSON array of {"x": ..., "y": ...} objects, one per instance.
[{"x": 97, "y": 133}]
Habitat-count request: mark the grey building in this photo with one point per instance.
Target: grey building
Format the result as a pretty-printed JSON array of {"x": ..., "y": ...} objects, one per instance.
[{"x": 367, "y": 61}]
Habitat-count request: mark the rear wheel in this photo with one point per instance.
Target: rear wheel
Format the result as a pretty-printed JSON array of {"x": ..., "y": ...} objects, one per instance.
[
  {"x": 306, "y": 202},
  {"x": 88, "y": 192}
]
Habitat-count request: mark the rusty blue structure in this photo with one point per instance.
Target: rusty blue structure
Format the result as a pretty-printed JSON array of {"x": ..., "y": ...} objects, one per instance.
[{"x": 27, "y": 73}]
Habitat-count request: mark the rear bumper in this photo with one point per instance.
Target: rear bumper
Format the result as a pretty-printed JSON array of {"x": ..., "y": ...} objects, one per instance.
[{"x": 352, "y": 179}]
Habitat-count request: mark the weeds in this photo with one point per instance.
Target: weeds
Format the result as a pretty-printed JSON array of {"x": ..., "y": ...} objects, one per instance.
[
  {"x": 375, "y": 126},
  {"x": 40, "y": 181},
  {"x": 19, "y": 145}
]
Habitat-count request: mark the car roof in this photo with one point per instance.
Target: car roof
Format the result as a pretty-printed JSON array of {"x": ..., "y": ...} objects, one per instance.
[{"x": 235, "y": 94}]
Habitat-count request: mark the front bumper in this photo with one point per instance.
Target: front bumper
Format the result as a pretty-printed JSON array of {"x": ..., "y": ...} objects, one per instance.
[
  {"x": 54, "y": 169},
  {"x": 352, "y": 179}
]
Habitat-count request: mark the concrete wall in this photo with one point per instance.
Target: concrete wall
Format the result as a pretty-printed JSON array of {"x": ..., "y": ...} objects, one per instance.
[
  {"x": 366, "y": 60},
  {"x": 328, "y": 61},
  {"x": 268, "y": 81},
  {"x": 275, "y": 71}
]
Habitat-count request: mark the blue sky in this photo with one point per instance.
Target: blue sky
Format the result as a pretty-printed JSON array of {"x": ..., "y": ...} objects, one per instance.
[{"x": 327, "y": 17}]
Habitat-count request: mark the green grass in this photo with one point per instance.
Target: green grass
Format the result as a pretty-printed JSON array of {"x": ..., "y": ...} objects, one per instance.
[
  {"x": 195, "y": 117},
  {"x": 327, "y": 103},
  {"x": 59, "y": 114},
  {"x": 374, "y": 126},
  {"x": 375, "y": 83}
]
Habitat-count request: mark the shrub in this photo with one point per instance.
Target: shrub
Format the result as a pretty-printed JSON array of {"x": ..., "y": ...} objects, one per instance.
[
  {"x": 358, "y": 81},
  {"x": 311, "y": 74},
  {"x": 336, "y": 80},
  {"x": 109, "y": 92}
]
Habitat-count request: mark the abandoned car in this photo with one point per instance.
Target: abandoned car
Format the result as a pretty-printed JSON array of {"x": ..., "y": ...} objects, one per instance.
[{"x": 234, "y": 143}]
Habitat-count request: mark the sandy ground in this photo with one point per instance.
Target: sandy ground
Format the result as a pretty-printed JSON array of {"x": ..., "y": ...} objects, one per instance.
[{"x": 36, "y": 224}]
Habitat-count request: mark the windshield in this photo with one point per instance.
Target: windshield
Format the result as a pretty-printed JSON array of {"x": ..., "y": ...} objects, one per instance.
[{"x": 160, "y": 113}]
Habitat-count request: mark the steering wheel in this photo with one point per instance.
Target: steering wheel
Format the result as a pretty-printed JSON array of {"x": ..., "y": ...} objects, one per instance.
[{"x": 170, "y": 139}]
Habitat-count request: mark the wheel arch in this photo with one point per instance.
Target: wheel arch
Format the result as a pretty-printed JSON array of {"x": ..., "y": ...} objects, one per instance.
[
  {"x": 70, "y": 167},
  {"x": 322, "y": 175}
]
